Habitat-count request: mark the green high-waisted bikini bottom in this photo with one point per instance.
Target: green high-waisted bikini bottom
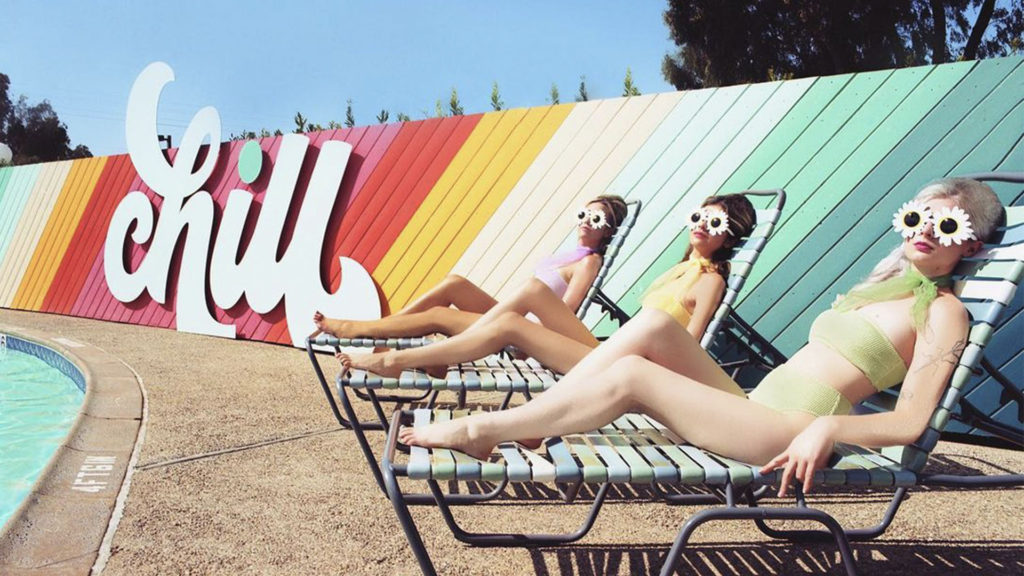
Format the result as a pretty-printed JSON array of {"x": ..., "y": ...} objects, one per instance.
[{"x": 787, "y": 390}]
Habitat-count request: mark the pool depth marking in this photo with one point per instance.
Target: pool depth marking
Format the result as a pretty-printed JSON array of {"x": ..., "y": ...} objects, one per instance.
[{"x": 93, "y": 466}]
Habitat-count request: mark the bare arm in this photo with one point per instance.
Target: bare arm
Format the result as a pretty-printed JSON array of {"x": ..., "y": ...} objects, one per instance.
[
  {"x": 936, "y": 352},
  {"x": 582, "y": 278},
  {"x": 707, "y": 294}
]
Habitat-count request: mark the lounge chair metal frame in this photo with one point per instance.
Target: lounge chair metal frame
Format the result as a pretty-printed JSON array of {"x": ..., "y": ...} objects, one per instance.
[
  {"x": 621, "y": 233},
  {"x": 508, "y": 375},
  {"x": 985, "y": 283}
]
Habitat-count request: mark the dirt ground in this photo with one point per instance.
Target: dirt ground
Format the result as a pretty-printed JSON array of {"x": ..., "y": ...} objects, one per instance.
[{"x": 244, "y": 471}]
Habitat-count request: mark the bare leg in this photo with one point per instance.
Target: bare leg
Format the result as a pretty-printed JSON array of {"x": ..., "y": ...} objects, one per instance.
[
  {"x": 553, "y": 349},
  {"x": 536, "y": 298},
  {"x": 444, "y": 320},
  {"x": 624, "y": 375},
  {"x": 455, "y": 291}
]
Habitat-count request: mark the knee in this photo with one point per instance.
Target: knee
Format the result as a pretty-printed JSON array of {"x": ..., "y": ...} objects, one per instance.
[
  {"x": 624, "y": 374},
  {"x": 455, "y": 280}
]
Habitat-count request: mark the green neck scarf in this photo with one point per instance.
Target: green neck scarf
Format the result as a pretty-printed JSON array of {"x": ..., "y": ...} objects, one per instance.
[{"x": 912, "y": 281}]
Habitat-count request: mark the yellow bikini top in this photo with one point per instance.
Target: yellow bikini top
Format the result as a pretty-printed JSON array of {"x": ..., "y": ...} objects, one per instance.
[
  {"x": 669, "y": 291},
  {"x": 863, "y": 344}
]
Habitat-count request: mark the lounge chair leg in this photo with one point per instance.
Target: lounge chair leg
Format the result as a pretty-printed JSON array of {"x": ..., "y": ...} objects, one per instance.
[
  {"x": 412, "y": 534},
  {"x": 675, "y": 553},
  {"x": 323, "y": 384},
  {"x": 525, "y": 540},
  {"x": 855, "y": 535}
]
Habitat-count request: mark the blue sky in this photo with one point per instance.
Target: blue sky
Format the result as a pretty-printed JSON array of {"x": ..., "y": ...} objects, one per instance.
[{"x": 260, "y": 62}]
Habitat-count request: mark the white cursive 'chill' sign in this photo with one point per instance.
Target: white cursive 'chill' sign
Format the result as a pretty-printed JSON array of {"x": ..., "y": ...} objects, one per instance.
[{"x": 259, "y": 275}]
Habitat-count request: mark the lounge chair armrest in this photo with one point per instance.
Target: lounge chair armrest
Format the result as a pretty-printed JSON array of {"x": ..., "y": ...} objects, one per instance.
[{"x": 609, "y": 306}]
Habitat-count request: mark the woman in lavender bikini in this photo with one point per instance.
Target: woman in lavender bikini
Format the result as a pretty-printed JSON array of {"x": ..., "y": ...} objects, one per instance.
[{"x": 456, "y": 303}]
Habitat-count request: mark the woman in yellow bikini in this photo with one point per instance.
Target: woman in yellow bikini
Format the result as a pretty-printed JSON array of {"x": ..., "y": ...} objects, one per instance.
[
  {"x": 689, "y": 293},
  {"x": 902, "y": 324}
]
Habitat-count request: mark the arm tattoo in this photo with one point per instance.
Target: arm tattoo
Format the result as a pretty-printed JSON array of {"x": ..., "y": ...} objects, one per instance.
[{"x": 935, "y": 360}]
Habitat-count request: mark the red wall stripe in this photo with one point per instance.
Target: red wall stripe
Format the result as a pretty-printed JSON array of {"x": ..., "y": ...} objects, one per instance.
[{"x": 86, "y": 241}]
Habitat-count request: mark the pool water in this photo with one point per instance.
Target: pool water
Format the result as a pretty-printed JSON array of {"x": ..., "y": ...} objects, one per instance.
[{"x": 38, "y": 405}]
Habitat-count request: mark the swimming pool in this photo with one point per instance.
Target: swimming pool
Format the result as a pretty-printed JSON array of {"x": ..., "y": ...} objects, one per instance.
[{"x": 41, "y": 393}]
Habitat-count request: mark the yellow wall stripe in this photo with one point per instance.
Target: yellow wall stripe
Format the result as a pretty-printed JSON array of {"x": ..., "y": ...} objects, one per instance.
[
  {"x": 437, "y": 232},
  {"x": 394, "y": 264},
  {"x": 523, "y": 147},
  {"x": 63, "y": 222},
  {"x": 30, "y": 227}
]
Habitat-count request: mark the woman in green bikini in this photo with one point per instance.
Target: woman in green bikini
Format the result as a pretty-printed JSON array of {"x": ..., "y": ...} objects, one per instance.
[{"x": 902, "y": 324}]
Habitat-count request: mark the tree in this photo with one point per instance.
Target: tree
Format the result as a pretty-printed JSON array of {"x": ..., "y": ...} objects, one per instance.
[
  {"x": 581, "y": 92},
  {"x": 5, "y": 103},
  {"x": 721, "y": 43},
  {"x": 628, "y": 88},
  {"x": 496, "y": 101},
  {"x": 402, "y": 117},
  {"x": 382, "y": 118},
  {"x": 34, "y": 132},
  {"x": 350, "y": 119},
  {"x": 300, "y": 123},
  {"x": 454, "y": 106},
  {"x": 554, "y": 97}
]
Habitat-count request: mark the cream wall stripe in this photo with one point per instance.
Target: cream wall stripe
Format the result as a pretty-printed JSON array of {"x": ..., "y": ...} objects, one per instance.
[
  {"x": 515, "y": 210},
  {"x": 604, "y": 111},
  {"x": 30, "y": 228}
]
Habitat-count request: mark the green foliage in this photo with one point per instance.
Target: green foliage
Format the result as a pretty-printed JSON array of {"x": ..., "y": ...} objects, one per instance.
[
  {"x": 300, "y": 123},
  {"x": 553, "y": 96},
  {"x": 314, "y": 128},
  {"x": 496, "y": 101},
  {"x": 350, "y": 119},
  {"x": 454, "y": 106},
  {"x": 333, "y": 125},
  {"x": 438, "y": 110},
  {"x": 723, "y": 43},
  {"x": 382, "y": 118},
  {"x": 34, "y": 132},
  {"x": 402, "y": 117},
  {"x": 581, "y": 92},
  {"x": 628, "y": 88}
]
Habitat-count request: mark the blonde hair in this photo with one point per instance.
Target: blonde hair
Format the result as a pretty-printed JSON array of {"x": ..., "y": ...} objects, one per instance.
[{"x": 975, "y": 198}]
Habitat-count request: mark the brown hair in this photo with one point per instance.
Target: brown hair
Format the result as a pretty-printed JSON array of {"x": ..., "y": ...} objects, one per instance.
[
  {"x": 742, "y": 221},
  {"x": 616, "y": 208}
]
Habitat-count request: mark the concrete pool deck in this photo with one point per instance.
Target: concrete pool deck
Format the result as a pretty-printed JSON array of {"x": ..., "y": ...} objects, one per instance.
[{"x": 244, "y": 471}]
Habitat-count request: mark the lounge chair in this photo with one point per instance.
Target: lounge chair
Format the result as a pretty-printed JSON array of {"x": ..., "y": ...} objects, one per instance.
[
  {"x": 500, "y": 374},
  {"x": 336, "y": 344},
  {"x": 638, "y": 449}
]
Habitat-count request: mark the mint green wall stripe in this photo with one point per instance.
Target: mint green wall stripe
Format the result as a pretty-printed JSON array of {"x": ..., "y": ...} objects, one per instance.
[
  {"x": 872, "y": 132},
  {"x": 754, "y": 116},
  {"x": 669, "y": 183},
  {"x": 13, "y": 202},
  {"x": 5, "y": 176},
  {"x": 750, "y": 122},
  {"x": 973, "y": 146},
  {"x": 959, "y": 124}
]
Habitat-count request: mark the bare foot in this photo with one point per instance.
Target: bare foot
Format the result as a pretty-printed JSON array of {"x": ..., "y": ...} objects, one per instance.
[
  {"x": 456, "y": 434},
  {"x": 378, "y": 363},
  {"x": 332, "y": 326}
]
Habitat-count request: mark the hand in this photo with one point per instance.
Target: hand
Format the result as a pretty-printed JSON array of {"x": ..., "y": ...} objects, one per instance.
[{"x": 808, "y": 452}]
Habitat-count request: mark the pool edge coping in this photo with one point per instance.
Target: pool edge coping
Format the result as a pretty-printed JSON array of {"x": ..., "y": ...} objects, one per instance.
[{"x": 69, "y": 516}]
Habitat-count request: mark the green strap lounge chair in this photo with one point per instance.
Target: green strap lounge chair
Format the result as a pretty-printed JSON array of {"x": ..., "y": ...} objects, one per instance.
[
  {"x": 496, "y": 373},
  {"x": 637, "y": 449},
  {"x": 336, "y": 344}
]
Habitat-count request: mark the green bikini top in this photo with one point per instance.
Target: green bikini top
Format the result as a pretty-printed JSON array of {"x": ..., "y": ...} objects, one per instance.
[{"x": 863, "y": 344}]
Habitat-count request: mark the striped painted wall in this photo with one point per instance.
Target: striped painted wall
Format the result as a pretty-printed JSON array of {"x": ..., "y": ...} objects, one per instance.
[{"x": 486, "y": 195}]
